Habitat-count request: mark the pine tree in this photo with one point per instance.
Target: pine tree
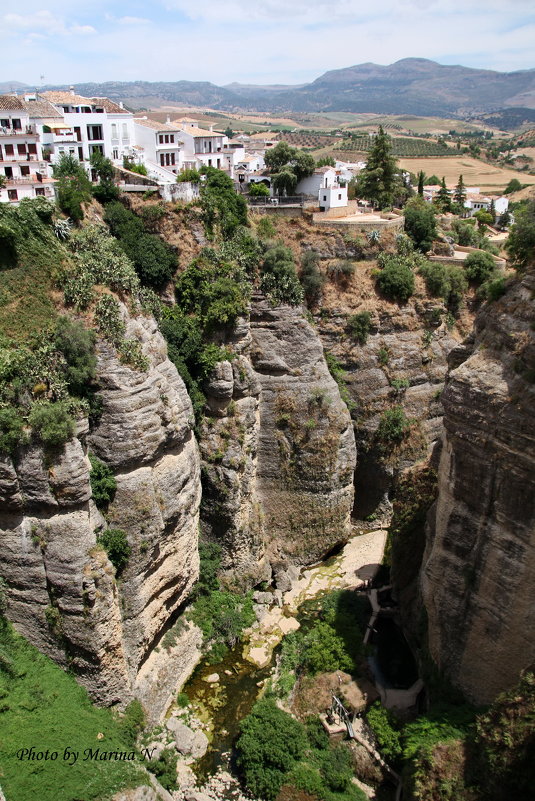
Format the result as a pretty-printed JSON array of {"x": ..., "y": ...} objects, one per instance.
[
  {"x": 443, "y": 199},
  {"x": 459, "y": 195},
  {"x": 377, "y": 179}
]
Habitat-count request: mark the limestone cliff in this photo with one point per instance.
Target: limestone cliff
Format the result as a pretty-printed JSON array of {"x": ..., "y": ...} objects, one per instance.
[
  {"x": 62, "y": 590},
  {"x": 479, "y": 563},
  {"x": 278, "y": 450}
]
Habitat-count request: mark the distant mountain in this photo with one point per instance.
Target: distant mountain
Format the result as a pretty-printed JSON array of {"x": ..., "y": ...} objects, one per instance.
[
  {"x": 410, "y": 86},
  {"x": 7, "y": 87}
]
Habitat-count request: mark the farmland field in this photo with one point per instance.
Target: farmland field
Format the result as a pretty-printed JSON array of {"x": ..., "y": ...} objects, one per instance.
[{"x": 488, "y": 177}]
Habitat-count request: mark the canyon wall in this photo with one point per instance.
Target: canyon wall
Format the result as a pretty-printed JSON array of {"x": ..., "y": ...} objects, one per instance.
[
  {"x": 479, "y": 563},
  {"x": 62, "y": 591}
]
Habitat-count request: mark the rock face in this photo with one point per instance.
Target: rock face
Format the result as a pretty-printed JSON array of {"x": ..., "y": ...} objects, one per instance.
[
  {"x": 479, "y": 564},
  {"x": 62, "y": 590},
  {"x": 278, "y": 450},
  {"x": 402, "y": 363}
]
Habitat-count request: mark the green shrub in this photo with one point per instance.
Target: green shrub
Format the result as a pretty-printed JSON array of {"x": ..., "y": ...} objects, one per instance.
[
  {"x": 52, "y": 422},
  {"x": 387, "y": 730},
  {"x": 316, "y": 734},
  {"x": 11, "y": 430},
  {"x": 358, "y": 326},
  {"x": 222, "y": 616},
  {"x": 479, "y": 266},
  {"x": 258, "y": 190},
  {"x": 341, "y": 270},
  {"x": 420, "y": 223},
  {"x": 312, "y": 279},
  {"x": 266, "y": 227},
  {"x": 209, "y": 565},
  {"x": 164, "y": 768},
  {"x": 103, "y": 483},
  {"x": 393, "y": 426},
  {"x": 279, "y": 279},
  {"x": 269, "y": 745},
  {"x": 337, "y": 768},
  {"x": 151, "y": 215},
  {"x": 73, "y": 187},
  {"x": 223, "y": 210},
  {"x": 494, "y": 288},
  {"x": 383, "y": 356},
  {"x": 132, "y": 721},
  {"x": 115, "y": 543},
  {"x": 77, "y": 345},
  {"x": 189, "y": 176},
  {"x": 396, "y": 278}
]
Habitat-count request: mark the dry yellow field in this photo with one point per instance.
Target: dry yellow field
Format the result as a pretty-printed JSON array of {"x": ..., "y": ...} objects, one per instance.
[{"x": 475, "y": 173}]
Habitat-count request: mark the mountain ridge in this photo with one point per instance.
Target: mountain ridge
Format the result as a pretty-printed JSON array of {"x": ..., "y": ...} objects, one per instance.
[{"x": 410, "y": 86}]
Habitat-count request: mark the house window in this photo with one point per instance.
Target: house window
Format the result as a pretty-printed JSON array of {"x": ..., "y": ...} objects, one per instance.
[
  {"x": 12, "y": 194},
  {"x": 21, "y": 150},
  {"x": 40, "y": 190},
  {"x": 325, "y": 197},
  {"x": 218, "y": 163},
  {"x": 78, "y": 133},
  {"x": 166, "y": 139},
  {"x": 339, "y": 197},
  {"x": 125, "y": 131},
  {"x": 8, "y": 172},
  {"x": 9, "y": 150},
  {"x": 5, "y": 123},
  {"x": 162, "y": 160},
  {"x": 24, "y": 170},
  {"x": 209, "y": 162},
  {"x": 32, "y": 148},
  {"x": 16, "y": 125},
  {"x": 160, "y": 138},
  {"x": 171, "y": 138},
  {"x": 115, "y": 154},
  {"x": 94, "y": 148},
  {"x": 94, "y": 132},
  {"x": 80, "y": 154},
  {"x": 114, "y": 134}
]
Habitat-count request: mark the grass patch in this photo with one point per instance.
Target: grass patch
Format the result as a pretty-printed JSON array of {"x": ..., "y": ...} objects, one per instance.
[{"x": 44, "y": 707}]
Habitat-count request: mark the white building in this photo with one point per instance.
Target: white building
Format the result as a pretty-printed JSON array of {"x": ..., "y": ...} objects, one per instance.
[
  {"x": 92, "y": 123},
  {"x": 321, "y": 178},
  {"x": 209, "y": 148},
  {"x": 161, "y": 142},
  {"x": 22, "y": 164},
  {"x": 332, "y": 197}
]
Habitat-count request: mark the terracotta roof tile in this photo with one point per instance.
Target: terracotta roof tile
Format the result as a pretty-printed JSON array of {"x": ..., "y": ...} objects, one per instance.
[
  {"x": 10, "y": 103},
  {"x": 157, "y": 126}
]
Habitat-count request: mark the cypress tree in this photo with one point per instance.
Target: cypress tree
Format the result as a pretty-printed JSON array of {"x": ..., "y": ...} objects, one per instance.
[
  {"x": 459, "y": 195},
  {"x": 377, "y": 179},
  {"x": 421, "y": 179}
]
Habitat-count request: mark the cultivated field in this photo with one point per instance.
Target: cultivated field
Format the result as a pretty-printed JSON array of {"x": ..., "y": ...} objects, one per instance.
[{"x": 475, "y": 173}]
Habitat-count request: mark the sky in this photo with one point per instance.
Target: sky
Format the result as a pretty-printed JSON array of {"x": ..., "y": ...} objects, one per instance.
[{"x": 254, "y": 41}]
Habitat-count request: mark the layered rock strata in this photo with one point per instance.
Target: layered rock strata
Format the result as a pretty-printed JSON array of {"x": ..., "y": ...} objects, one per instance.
[
  {"x": 479, "y": 563},
  {"x": 63, "y": 593}
]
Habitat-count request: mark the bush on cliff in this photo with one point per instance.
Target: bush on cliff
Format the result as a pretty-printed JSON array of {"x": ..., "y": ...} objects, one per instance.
[
  {"x": 395, "y": 280},
  {"x": 103, "y": 483}
]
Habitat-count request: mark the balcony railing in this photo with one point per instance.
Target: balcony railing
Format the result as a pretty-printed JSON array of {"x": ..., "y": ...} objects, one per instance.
[
  {"x": 20, "y": 157},
  {"x": 28, "y": 179},
  {"x": 26, "y": 130}
]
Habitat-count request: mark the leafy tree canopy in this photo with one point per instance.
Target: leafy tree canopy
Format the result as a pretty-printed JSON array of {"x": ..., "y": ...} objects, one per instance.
[{"x": 377, "y": 180}]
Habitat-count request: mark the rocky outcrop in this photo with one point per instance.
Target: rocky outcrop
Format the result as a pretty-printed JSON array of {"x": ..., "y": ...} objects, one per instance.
[
  {"x": 306, "y": 446},
  {"x": 479, "y": 563},
  {"x": 63, "y": 593},
  {"x": 402, "y": 363},
  {"x": 278, "y": 448}
]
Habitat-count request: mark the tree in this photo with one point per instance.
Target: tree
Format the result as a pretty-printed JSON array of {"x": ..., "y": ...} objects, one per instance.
[
  {"x": 258, "y": 190},
  {"x": 284, "y": 161},
  {"x": 285, "y": 181},
  {"x": 229, "y": 133},
  {"x": 514, "y": 185},
  {"x": 433, "y": 180},
  {"x": 503, "y": 220},
  {"x": 521, "y": 241},
  {"x": 443, "y": 200},
  {"x": 105, "y": 190},
  {"x": 459, "y": 194},
  {"x": 73, "y": 187},
  {"x": 189, "y": 176},
  {"x": 396, "y": 279},
  {"x": 377, "y": 179},
  {"x": 420, "y": 223},
  {"x": 326, "y": 161},
  {"x": 483, "y": 218},
  {"x": 421, "y": 179},
  {"x": 222, "y": 207},
  {"x": 479, "y": 266}
]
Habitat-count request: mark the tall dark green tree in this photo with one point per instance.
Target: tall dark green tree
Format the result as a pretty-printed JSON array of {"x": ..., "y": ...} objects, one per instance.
[
  {"x": 421, "y": 179},
  {"x": 378, "y": 178},
  {"x": 443, "y": 199},
  {"x": 73, "y": 187},
  {"x": 459, "y": 195},
  {"x": 521, "y": 241}
]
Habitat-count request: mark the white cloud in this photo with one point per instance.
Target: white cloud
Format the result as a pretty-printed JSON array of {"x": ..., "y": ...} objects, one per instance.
[
  {"x": 43, "y": 23},
  {"x": 133, "y": 21}
]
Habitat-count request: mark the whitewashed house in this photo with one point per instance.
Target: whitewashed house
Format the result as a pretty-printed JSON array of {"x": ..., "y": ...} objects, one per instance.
[
  {"x": 161, "y": 142},
  {"x": 22, "y": 165},
  {"x": 96, "y": 123}
]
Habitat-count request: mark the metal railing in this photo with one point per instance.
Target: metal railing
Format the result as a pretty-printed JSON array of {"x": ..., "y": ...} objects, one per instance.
[
  {"x": 20, "y": 157},
  {"x": 292, "y": 200}
]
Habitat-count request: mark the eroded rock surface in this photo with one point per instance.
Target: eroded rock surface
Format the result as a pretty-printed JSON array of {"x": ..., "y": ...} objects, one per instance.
[
  {"x": 62, "y": 590},
  {"x": 479, "y": 563}
]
